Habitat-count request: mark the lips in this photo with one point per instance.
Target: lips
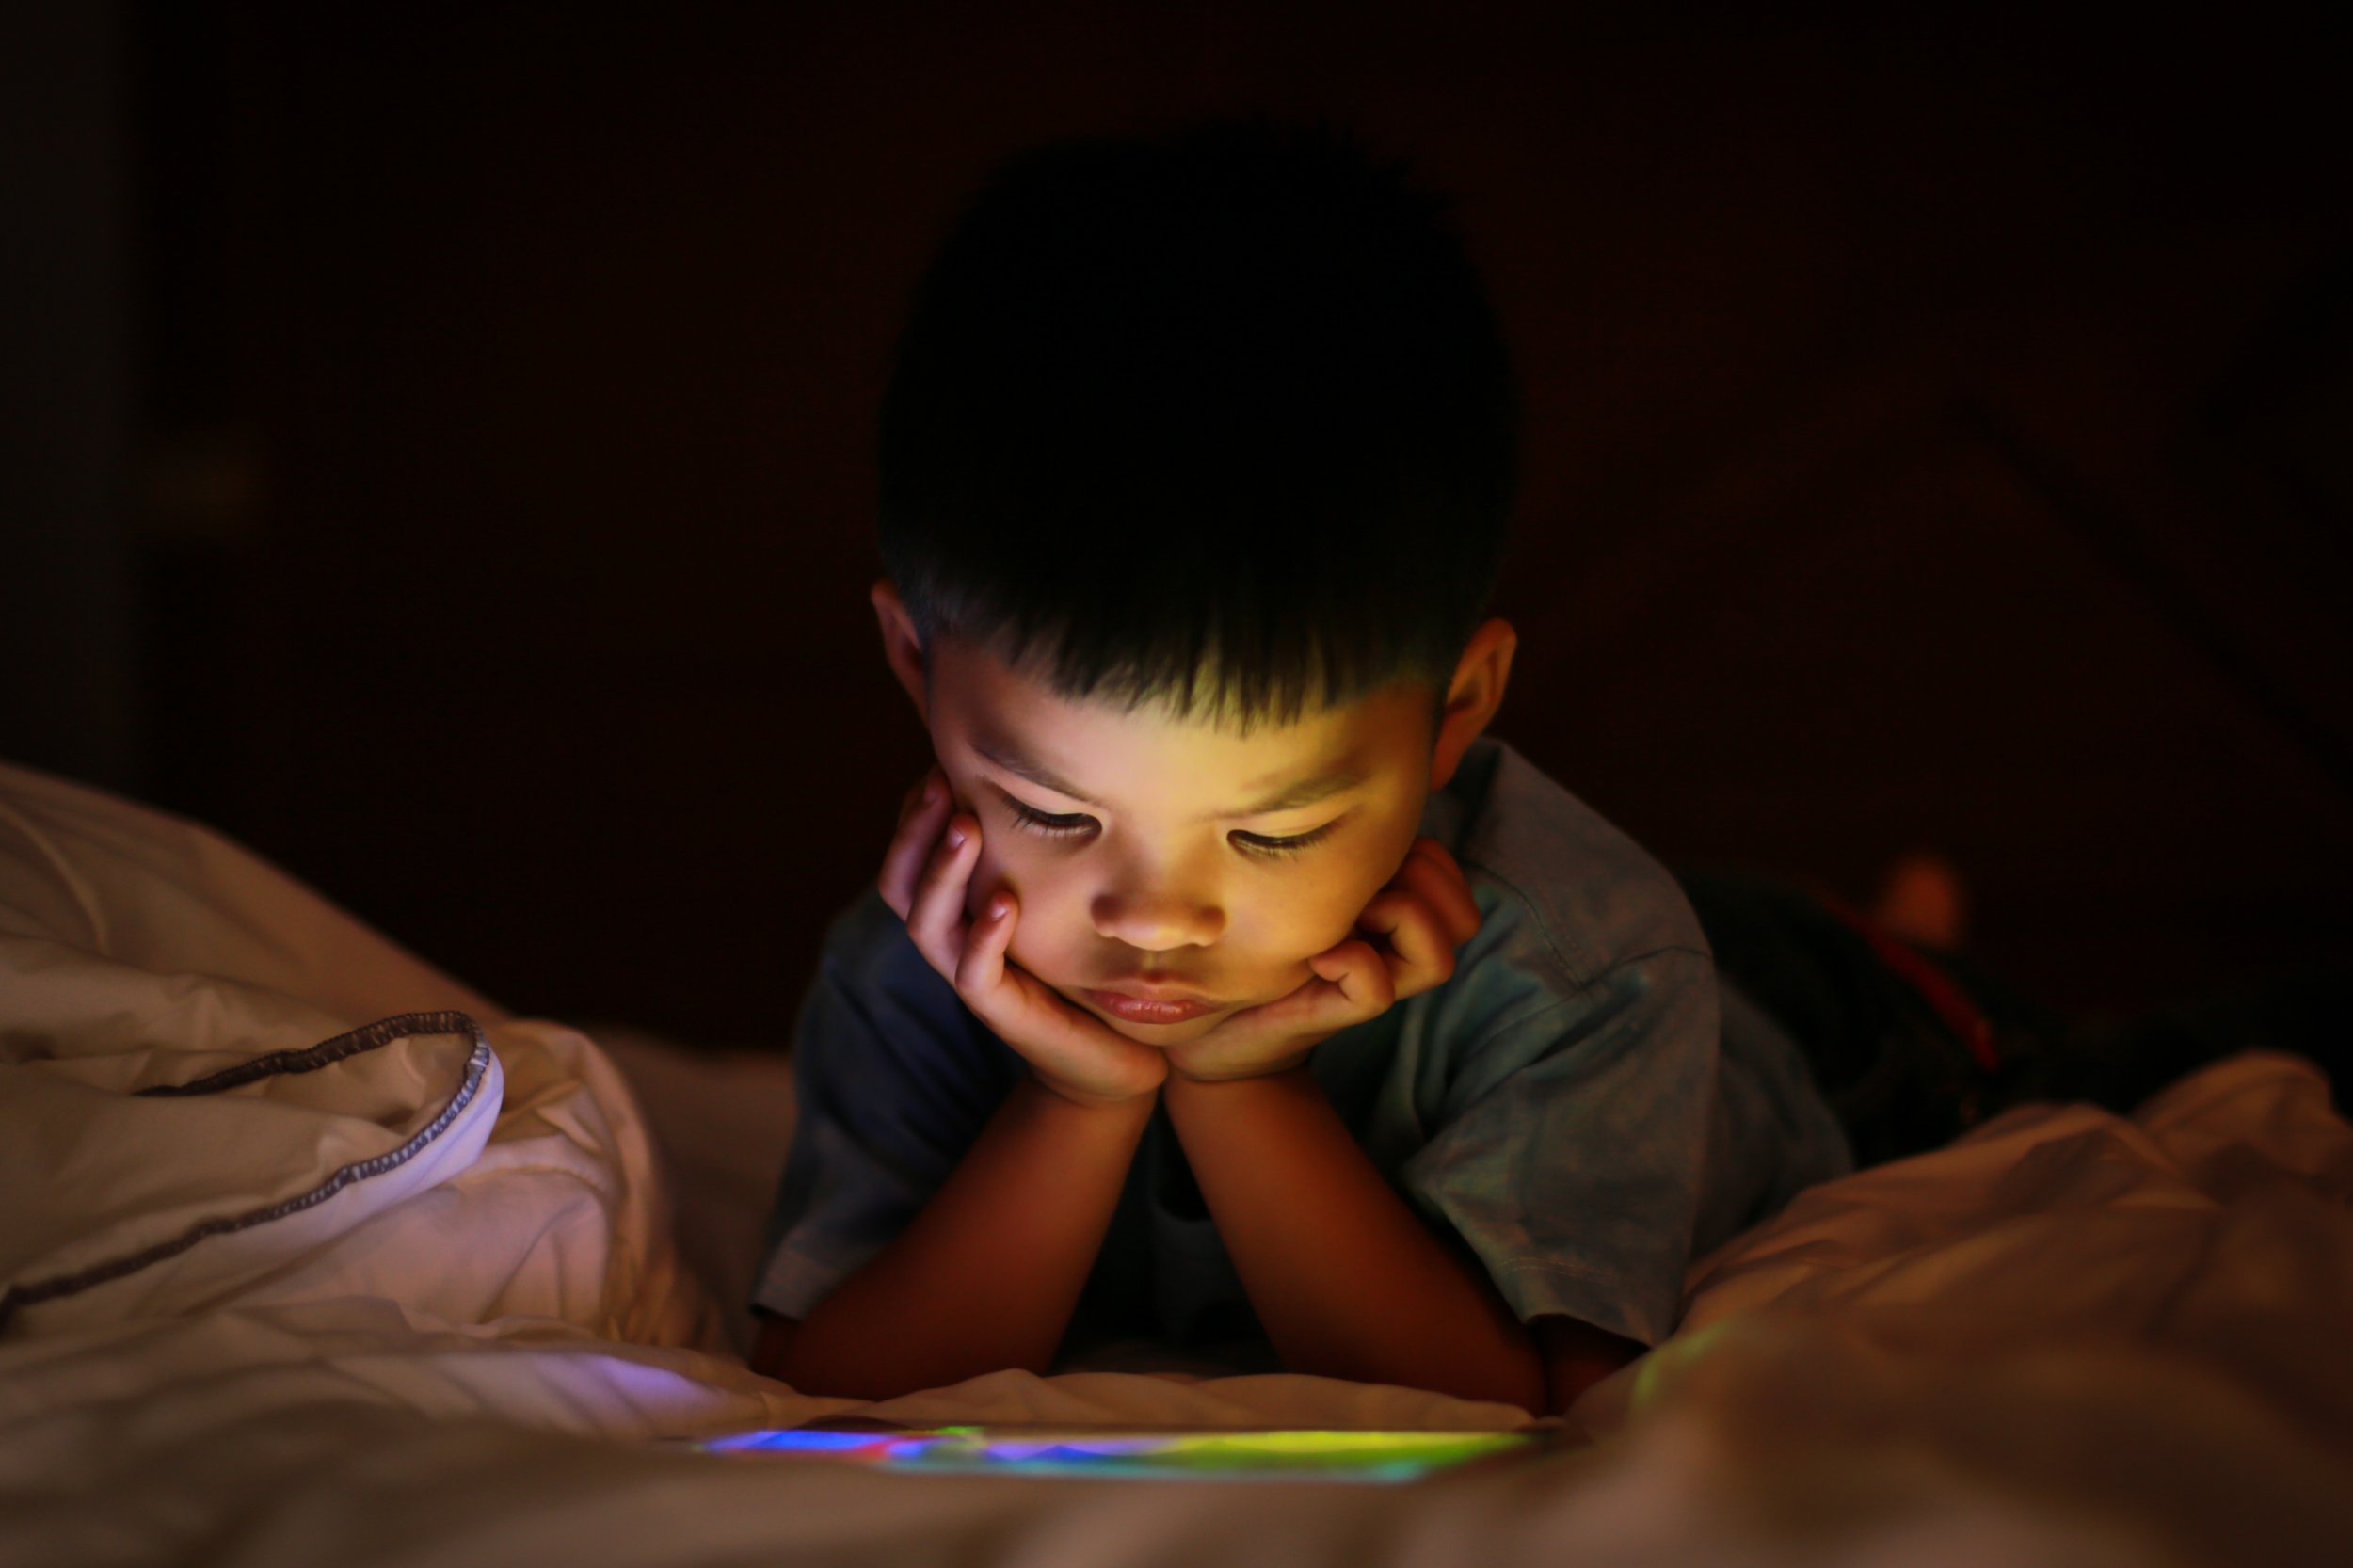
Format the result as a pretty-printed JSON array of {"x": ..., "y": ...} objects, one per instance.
[{"x": 1150, "y": 1005}]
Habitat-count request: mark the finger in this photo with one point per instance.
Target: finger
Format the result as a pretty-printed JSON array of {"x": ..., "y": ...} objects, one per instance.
[
  {"x": 922, "y": 793},
  {"x": 1429, "y": 872},
  {"x": 982, "y": 968},
  {"x": 1069, "y": 1050},
  {"x": 935, "y": 916},
  {"x": 922, "y": 816},
  {"x": 1429, "y": 875},
  {"x": 1434, "y": 862},
  {"x": 1422, "y": 951},
  {"x": 1438, "y": 852},
  {"x": 1359, "y": 975}
]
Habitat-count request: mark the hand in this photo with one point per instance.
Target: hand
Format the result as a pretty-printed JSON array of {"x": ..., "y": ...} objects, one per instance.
[
  {"x": 927, "y": 877},
  {"x": 1405, "y": 944}
]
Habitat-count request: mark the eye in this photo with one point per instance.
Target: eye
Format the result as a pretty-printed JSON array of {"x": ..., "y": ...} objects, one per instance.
[
  {"x": 1068, "y": 824},
  {"x": 1271, "y": 848}
]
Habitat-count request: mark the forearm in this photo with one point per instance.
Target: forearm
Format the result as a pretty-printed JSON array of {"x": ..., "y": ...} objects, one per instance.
[
  {"x": 987, "y": 1274},
  {"x": 1345, "y": 1279}
]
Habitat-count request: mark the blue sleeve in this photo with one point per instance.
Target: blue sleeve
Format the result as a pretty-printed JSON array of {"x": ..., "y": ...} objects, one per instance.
[
  {"x": 1574, "y": 1137},
  {"x": 893, "y": 1079}
]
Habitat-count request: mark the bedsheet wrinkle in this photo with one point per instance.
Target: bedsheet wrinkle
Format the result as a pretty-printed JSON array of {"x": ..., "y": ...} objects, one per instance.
[{"x": 2071, "y": 1338}]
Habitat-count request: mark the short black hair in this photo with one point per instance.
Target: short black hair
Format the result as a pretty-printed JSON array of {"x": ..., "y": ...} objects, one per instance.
[{"x": 1218, "y": 417}]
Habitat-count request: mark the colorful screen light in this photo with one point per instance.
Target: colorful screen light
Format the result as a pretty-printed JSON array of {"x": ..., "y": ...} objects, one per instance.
[{"x": 1108, "y": 1454}]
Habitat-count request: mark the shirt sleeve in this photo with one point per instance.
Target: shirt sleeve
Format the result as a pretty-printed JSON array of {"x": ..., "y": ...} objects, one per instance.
[
  {"x": 893, "y": 1079},
  {"x": 1575, "y": 1135}
]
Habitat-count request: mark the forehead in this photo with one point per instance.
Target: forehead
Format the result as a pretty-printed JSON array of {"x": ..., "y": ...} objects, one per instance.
[{"x": 1107, "y": 750}]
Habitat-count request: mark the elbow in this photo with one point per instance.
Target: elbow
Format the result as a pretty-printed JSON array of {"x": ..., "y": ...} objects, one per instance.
[
  {"x": 1575, "y": 1356},
  {"x": 1565, "y": 1387},
  {"x": 1516, "y": 1374},
  {"x": 827, "y": 1365},
  {"x": 773, "y": 1348},
  {"x": 1502, "y": 1377},
  {"x": 1513, "y": 1374},
  {"x": 1528, "y": 1388},
  {"x": 1511, "y": 1384},
  {"x": 812, "y": 1375}
]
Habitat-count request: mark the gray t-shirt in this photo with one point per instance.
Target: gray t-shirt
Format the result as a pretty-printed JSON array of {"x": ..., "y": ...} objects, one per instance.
[{"x": 1582, "y": 1107}]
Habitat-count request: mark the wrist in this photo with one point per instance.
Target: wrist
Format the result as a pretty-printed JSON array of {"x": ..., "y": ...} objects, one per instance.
[
  {"x": 1290, "y": 1079},
  {"x": 1059, "y": 1099},
  {"x": 1210, "y": 1070}
]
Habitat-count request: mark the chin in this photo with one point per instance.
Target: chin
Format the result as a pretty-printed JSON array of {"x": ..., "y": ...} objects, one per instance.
[{"x": 1164, "y": 1035}]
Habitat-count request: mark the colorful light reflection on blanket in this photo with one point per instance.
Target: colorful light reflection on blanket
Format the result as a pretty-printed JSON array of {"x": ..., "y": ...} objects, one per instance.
[{"x": 1345, "y": 1456}]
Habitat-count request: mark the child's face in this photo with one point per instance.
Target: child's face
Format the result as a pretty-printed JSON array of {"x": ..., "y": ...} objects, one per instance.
[{"x": 1170, "y": 860}]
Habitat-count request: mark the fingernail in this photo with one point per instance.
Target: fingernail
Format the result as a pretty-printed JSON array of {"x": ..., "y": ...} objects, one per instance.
[
  {"x": 955, "y": 837},
  {"x": 930, "y": 791},
  {"x": 999, "y": 909}
]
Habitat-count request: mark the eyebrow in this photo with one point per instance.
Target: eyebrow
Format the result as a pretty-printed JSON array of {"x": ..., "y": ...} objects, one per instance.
[{"x": 1337, "y": 779}]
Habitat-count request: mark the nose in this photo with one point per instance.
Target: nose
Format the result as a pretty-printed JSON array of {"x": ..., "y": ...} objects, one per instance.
[{"x": 1155, "y": 913}]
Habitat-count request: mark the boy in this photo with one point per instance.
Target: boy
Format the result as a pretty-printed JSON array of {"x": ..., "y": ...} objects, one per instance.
[{"x": 1223, "y": 980}]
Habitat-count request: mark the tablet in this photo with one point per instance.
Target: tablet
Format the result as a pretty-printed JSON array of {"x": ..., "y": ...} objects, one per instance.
[{"x": 1143, "y": 1453}]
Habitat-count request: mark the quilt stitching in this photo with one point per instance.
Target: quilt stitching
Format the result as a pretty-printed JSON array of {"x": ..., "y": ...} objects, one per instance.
[{"x": 310, "y": 1059}]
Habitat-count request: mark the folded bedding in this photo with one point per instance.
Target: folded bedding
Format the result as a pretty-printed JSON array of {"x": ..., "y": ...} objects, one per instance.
[{"x": 309, "y": 1253}]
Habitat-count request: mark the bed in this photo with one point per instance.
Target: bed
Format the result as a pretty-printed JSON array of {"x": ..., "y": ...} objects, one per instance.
[{"x": 308, "y": 1253}]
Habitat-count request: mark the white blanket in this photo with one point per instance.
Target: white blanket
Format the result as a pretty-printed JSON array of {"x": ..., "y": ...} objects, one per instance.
[{"x": 414, "y": 1299}]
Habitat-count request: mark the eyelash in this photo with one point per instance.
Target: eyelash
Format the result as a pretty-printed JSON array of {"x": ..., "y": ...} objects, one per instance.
[{"x": 1071, "y": 826}]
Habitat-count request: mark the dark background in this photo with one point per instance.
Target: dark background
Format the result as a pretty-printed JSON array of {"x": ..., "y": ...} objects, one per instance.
[{"x": 436, "y": 443}]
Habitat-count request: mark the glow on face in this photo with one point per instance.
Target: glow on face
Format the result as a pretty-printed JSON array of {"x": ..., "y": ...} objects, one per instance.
[{"x": 1159, "y": 857}]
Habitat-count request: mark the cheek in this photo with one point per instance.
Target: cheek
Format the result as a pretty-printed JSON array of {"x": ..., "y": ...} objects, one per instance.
[
  {"x": 1325, "y": 904},
  {"x": 1037, "y": 885},
  {"x": 1009, "y": 859},
  {"x": 994, "y": 869},
  {"x": 1336, "y": 912},
  {"x": 1293, "y": 919}
]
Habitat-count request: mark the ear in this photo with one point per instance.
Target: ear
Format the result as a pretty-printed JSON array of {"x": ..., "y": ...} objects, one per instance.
[
  {"x": 1473, "y": 697},
  {"x": 902, "y": 645}
]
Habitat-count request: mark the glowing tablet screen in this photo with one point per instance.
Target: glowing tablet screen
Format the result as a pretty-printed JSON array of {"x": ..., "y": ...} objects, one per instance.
[{"x": 1109, "y": 1454}]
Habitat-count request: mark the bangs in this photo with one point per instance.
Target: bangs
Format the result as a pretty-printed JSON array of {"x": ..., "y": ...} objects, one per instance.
[{"x": 1263, "y": 648}]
